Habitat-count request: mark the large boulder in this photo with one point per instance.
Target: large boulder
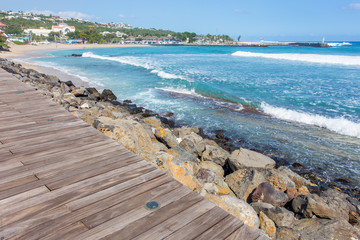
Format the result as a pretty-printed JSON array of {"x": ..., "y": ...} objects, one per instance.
[
  {"x": 153, "y": 122},
  {"x": 236, "y": 207},
  {"x": 184, "y": 131},
  {"x": 287, "y": 233},
  {"x": 324, "y": 207},
  {"x": 244, "y": 181},
  {"x": 281, "y": 216},
  {"x": 267, "y": 225},
  {"x": 215, "y": 154},
  {"x": 243, "y": 158},
  {"x": 182, "y": 172},
  {"x": 189, "y": 143},
  {"x": 212, "y": 166},
  {"x": 266, "y": 193},
  {"x": 213, "y": 183},
  {"x": 183, "y": 155},
  {"x": 166, "y": 137},
  {"x": 201, "y": 146},
  {"x": 325, "y": 229},
  {"x": 107, "y": 95}
]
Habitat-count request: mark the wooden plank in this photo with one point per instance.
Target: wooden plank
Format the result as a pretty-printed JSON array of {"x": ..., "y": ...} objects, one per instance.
[
  {"x": 222, "y": 229},
  {"x": 156, "y": 217},
  {"x": 199, "y": 225},
  {"x": 5, "y": 203},
  {"x": 18, "y": 182},
  {"x": 176, "y": 222},
  {"x": 51, "y": 226},
  {"x": 69, "y": 232},
  {"x": 247, "y": 232},
  {"x": 123, "y": 220}
]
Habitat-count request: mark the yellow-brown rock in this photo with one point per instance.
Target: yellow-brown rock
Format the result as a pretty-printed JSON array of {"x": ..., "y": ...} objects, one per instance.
[
  {"x": 236, "y": 207},
  {"x": 212, "y": 166},
  {"x": 267, "y": 225}
]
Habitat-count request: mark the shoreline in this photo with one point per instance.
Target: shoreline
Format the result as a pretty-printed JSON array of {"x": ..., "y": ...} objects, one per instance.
[
  {"x": 200, "y": 163},
  {"x": 25, "y": 51},
  {"x": 19, "y": 52}
]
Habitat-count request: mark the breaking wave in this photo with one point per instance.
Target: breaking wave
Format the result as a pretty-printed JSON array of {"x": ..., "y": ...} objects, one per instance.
[
  {"x": 134, "y": 61},
  {"x": 339, "y": 125},
  {"x": 312, "y": 58}
]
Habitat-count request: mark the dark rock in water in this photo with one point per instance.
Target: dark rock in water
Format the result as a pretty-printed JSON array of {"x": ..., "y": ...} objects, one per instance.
[
  {"x": 93, "y": 93},
  {"x": 266, "y": 193},
  {"x": 69, "y": 84},
  {"x": 127, "y": 101},
  {"x": 148, "y": 113},
  {"x": 107, "y": 95},
  {"x": 297, "y": 165},
  {"x": 316, "y": 228},
  {"x": 76, "y": 55},
  {"x": 167, "y": 118}
]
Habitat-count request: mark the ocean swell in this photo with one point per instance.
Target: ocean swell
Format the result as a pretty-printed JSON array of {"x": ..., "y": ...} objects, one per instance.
[
  {"x": 339, "y": 125},
  {"x": 134, "y": 61},
  {"x": 312, "y": 58}
]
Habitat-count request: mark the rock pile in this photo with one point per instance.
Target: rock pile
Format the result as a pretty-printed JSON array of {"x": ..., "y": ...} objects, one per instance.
[{"x": 276, "y": 200}]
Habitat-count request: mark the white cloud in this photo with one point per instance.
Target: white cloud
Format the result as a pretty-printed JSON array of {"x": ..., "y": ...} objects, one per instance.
[
  {"x": 354, "y": 6},
  {"x": 122, "y": 15},
  {"x": 65, "y": 14}
]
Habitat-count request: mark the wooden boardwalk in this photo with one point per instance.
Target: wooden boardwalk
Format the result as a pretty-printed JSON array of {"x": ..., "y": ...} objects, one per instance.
[{"x": 62, "y": 179}]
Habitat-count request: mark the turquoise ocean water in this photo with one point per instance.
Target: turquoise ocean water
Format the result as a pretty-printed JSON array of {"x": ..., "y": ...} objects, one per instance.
[{"x": 301, "y": 104}]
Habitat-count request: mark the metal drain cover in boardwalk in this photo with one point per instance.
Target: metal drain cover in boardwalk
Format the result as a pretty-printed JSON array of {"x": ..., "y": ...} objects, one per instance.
[{"x": 62, "y": 179}]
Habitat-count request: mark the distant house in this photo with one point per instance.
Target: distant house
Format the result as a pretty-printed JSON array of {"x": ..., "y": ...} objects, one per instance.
[
  {"x": 3, "y": 26},
  {"x": 38, "y": 32},
  {"x": 63, "y": 28}
]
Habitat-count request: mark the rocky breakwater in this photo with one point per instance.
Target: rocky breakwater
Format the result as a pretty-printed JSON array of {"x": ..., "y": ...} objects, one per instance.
[{"x": 244, "y": 183}]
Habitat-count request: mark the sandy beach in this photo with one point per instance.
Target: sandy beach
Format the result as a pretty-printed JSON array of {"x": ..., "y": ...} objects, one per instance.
[{"x": 18, "y": 53}]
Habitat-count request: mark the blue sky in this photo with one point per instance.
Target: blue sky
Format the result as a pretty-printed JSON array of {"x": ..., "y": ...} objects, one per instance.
[{"x": 272, "y": 20}]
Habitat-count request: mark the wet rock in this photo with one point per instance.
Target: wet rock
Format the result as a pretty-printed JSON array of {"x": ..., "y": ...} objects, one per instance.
[
  {"x": 243, "y": 158},
  {"x": 324, "y": 207},
  {"x": 325, "y": 229},
  {"x": 107, "y": 95},
  {"x": 287, "y": 233},
  {"x": 189, "y": 143},
  {"x": 167, "y": 118},
  {"x": 215, "y": 154},
  {"x": 236, "y": 207},
  {"x": 76, "y": 55},
  {"x": 166, "y": 137},
  {"x": 266, "y": 193},
  {"x": 267, "y": 225},
  {"x": 244, "y": 181},
  {"x": 93, "y": 92},
  {"x": 212, "y": 166}
]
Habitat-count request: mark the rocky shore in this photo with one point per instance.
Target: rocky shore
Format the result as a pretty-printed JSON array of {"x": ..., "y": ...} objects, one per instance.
[{"x": 245, "y": 183}]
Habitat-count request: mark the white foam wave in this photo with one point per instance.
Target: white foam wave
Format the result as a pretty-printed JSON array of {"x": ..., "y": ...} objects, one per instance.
[
  {"x": 135, "y": 62},
  {"x": 339, "y": 125},
  {"x": 180, "y": 91},
  {"x": 313, "y": 58},
  {"x": 339, "y": 44},
  {"x": 217, "y": 102}
]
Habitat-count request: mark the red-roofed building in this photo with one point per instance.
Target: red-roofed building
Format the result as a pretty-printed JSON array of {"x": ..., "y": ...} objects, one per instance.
[
  {"x": 3, "y": 26},
  {"x": 63, "y": 28}
]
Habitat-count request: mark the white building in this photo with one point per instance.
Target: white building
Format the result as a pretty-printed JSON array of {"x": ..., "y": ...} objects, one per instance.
[{"x": 63, "y": 28}]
